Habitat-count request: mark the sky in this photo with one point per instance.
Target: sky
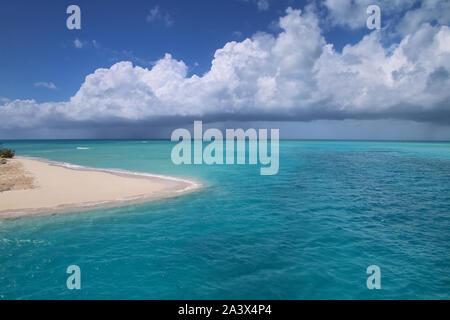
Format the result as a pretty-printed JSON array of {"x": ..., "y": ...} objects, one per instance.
[{"x": 139, "y": 69}]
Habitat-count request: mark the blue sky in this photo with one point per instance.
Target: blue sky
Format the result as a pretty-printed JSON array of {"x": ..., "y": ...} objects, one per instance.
[{"x": 274, "y": 61}]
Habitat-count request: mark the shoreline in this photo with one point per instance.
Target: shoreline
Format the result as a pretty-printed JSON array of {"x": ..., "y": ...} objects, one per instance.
[{"x": 85, "y": 188}]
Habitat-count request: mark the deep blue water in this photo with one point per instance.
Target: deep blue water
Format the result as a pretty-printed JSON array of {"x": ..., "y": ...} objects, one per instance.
[{"x": 309, "y": 232}]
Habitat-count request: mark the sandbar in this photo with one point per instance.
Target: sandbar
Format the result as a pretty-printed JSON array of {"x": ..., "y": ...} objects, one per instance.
[{"x": 31, "y": 186}]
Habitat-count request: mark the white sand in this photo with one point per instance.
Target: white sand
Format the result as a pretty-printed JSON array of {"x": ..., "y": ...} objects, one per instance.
[{"x": 56, "y": 188}]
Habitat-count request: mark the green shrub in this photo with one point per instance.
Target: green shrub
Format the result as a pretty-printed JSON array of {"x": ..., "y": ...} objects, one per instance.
[{"x": 7, "y": 153}]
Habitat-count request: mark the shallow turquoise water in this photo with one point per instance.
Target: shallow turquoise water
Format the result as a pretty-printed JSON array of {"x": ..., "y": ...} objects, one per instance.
[{"x": 310, "y": 232}]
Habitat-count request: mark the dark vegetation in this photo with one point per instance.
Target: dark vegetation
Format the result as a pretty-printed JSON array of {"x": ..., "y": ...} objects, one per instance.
[{"x": 6, "y": 153}]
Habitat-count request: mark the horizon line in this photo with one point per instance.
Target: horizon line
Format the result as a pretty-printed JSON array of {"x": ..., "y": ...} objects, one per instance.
[{"x": 167, "y": 139}]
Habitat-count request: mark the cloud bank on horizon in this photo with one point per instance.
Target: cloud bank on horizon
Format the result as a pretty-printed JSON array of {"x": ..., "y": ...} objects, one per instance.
[{"x": 294, "y": 75}]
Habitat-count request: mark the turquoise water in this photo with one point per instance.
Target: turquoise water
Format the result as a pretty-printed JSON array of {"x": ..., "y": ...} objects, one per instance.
[{"x": 310, "y": 232}]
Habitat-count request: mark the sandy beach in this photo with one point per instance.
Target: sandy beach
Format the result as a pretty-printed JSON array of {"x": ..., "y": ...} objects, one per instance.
[{"x": 36, "y": 187}]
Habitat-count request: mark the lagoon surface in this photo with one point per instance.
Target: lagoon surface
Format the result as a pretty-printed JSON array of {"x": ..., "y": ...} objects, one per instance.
[{"x": 310, "y": 232}]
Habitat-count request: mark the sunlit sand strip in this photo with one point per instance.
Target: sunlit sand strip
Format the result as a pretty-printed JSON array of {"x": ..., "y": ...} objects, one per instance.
[{"x": 59, "y": 187}]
